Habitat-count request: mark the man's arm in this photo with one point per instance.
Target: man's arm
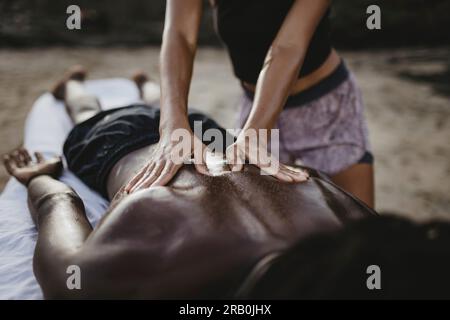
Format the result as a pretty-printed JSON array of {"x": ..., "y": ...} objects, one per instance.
[
  {"x": 48, "y": 198},
  {"x": 58, "y": 213}
]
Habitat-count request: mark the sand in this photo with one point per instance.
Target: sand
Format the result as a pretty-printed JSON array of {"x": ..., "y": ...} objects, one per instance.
[{"x": 407, "y": 106}]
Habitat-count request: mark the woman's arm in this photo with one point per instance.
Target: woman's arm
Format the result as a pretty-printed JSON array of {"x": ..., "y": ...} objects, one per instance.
[
  {"x": 283, "y": 62},
  {"x": 280, "y": 71},
  {"x": 177, "y": 58},
  {"x": 176, "y": 63}
]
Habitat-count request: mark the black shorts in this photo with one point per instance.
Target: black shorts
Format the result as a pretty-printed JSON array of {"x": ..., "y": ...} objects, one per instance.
[{"x": 94, "y": 146}]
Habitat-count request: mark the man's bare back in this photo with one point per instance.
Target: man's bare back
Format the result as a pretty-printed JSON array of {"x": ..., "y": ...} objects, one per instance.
[{"x": 201, "y": 235}]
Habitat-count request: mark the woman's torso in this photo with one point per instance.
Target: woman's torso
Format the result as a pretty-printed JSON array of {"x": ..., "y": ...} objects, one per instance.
[{"x": 248, "y": 29}]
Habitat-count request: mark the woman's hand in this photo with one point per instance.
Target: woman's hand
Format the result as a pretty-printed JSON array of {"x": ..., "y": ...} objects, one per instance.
[
  {"x": 21, "y": 166},
  {"x": 167, "y": 158},
  {"x": 256, "y": 152}
]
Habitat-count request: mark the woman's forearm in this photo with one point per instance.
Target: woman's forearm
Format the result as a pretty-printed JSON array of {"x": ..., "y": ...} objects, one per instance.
[
  {"x": 279, "y": 73},
  {"x": 283, "y": 62},
  {"x": 177, "y": 58},
  {"x": 176, "y": 62},
  {"x": 179, "y": 44}
]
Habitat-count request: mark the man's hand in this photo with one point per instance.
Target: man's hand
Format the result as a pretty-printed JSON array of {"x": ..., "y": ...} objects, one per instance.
[
  {"x": 21, "y": 166},
  {"x": 166, "y": 160},
  {"x": 257, "y": 153}
]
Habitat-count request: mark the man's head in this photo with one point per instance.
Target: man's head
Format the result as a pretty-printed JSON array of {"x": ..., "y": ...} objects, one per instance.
[{"x": 413, "y": 260}]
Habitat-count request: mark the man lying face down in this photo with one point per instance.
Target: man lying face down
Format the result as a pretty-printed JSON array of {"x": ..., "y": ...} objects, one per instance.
[{"x": 198, "y": 236}]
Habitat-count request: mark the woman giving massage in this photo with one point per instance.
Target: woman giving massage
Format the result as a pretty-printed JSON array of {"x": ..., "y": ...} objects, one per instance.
[
  {"x": 198, "y": 236},
  {"x": 292, "y": 79}
]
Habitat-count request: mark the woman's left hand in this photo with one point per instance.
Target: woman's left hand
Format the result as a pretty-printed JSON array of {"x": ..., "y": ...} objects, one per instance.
[{"x": 256, "y": 152}]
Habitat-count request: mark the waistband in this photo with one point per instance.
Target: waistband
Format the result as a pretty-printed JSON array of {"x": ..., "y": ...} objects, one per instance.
[{"x": 328, "y": 84}]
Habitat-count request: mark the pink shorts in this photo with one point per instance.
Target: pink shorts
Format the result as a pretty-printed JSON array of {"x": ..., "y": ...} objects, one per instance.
[{"x": 328, "y": 133}]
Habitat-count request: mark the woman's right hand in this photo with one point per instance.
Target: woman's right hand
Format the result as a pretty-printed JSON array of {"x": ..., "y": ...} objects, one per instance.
[{"x": 167, "y": 158}]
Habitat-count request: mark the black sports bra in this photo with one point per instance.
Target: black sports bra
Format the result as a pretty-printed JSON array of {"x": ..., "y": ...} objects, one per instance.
[{"x": 248, "y": 28}]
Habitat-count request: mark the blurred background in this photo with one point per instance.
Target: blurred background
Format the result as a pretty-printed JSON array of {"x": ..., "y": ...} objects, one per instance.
[{"x": 403, "y": 70}]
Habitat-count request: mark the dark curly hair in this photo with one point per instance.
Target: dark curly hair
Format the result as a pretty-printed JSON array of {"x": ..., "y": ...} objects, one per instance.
[{"x": 414, "y": 260}]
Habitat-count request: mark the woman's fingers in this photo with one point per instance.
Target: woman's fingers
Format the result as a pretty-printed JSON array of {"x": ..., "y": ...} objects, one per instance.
[
  {"x": 199, "y": 156},
  {"x": 148, "y": 179},
  {"x": 299, "y": 176},
  {"x": 277, "y": 172},
  {"x": 293, "y": 174},
  {"x": 268, "y": 164},
  {"x": 202, "y": 168},
  {"x": 294, "y": 177},
  {"x": 273, "y": 167},
  {"x": 297, "y": 172},
  {"x": 235, "y": 158},
  {"x": 151, "y": 168},
  {"x": 166, "y": 175},
  {"x": 239, "y": 165},
  {"x": 200, "y": 161},
  {"x": 146, "y": 172},
  {"x": 138, "y": 176}
]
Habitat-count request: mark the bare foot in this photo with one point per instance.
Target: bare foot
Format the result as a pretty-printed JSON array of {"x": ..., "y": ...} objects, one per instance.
[
  {"x": 76, "y": 72},
  {"x": 149, "y": 90},
  {"x": 140, "y": 78}
]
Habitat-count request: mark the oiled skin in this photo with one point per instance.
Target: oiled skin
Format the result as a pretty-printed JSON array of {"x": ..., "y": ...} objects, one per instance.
[{"x": 199, "y": 236}]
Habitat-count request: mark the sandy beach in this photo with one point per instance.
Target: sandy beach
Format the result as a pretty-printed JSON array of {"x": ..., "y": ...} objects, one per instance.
[{"x": 406, "y": 92}]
